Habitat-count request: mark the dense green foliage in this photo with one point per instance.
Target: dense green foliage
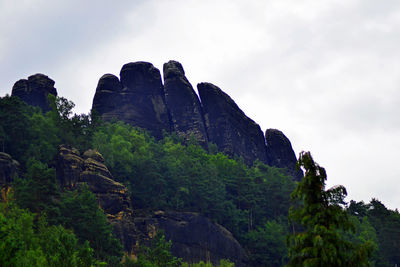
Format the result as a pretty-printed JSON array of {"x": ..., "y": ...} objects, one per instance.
[
  {"x": 158, "y": 254},
  {"x": 251, "y": 202},
  {"x": 26, "y": 243},
  {"x": 77, "y": 210},
  {"x": 168, "y": 175},
  {"x": 320, "y": 214}
]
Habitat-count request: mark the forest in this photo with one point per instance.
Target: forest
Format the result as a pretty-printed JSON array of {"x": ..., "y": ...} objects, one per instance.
[{"x": 271, "y": 216}]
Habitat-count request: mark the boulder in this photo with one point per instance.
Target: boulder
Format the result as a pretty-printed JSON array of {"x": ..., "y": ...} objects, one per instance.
[
  {"x": 280, "y": 153},
  {"x": 35, "y": 90},
  {"x": 194, "y": 237},
  {"x": 137, "y": 99},
  {"x": 228, "y": 127},
  {"x": 183, "y": 103}
]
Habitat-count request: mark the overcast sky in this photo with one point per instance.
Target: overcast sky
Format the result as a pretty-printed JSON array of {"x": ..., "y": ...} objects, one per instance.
[{"x": 326, "y": 72}]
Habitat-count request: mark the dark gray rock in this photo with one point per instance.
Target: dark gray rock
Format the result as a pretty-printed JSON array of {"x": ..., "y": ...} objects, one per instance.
[
  {"x": 137, "y": 99},
  {"x": 108, "y": 96},
  {"x": 228, "y": 127},
  {"x": 34, "y": 90},
  {"x": 183, "y": 104},
  {"x": 8, "y": 169},
  {"x": 194, "y": 237},
  {"x": 280, "y": 153}
]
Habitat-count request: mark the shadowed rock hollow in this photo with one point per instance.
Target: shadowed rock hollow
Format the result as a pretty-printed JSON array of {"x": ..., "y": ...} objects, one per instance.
[{"x": 8, "y": 169}]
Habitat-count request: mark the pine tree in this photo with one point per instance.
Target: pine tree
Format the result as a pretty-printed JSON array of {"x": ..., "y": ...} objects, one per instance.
[{"x": 322, "y": 217}]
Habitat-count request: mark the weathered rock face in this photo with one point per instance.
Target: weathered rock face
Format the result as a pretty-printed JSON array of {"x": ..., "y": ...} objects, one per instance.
[
  {"x": 228, "y": 127},
  {"x": 73, "y": 169},
  {"x": 194, "y": 237},
  {"x": 108, "y": 96},
  {"x": 183, "y": 104},
  {"x": 69, "y": 166},
  {"x": 138, "y": 99},
  {"x": 34, "y": 90},
  {"x": 8, "y": 169},
  {"x": 280, "y": 153}
]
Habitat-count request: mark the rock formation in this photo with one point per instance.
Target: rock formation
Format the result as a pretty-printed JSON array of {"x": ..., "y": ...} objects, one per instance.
[
  {"x": 194, "y": 236},
  {"x": 73, "y": 169},
  {"x": 34, "y": 90},
  {"x": 280, "y": 153},
  {"x": 228, "y": 127},
  {"x": 141, "y": 100},
  {"x": 8, "y": 169},
  {"x": 183, "y": 104},
  {"x": 138, "y": 99}
]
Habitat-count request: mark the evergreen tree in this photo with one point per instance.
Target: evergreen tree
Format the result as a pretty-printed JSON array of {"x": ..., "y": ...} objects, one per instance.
[
  {"x": 322, "y": 217},
  {"x": 81, "y": 213}
]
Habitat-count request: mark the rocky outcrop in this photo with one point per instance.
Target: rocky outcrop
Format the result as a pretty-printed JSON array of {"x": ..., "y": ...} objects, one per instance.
[
  {"x": 228, "y": 127},
  {"x": 194, "y": 237},
  {"x": 73, "y": 169},
  {"x": 140, "y": 99},
  {"x": 69, "y": 166},
  {"x": 34, "y": 90},
  {"x": 8, "y": 170},
  {"x": 137, "y": 99},
  {"x": 183, "y": 104},
  {"x": 280, "y": 153}
]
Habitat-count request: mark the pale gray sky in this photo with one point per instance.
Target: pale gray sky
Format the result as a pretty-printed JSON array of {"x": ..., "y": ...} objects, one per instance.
[{"x": 326, "y": 73}]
